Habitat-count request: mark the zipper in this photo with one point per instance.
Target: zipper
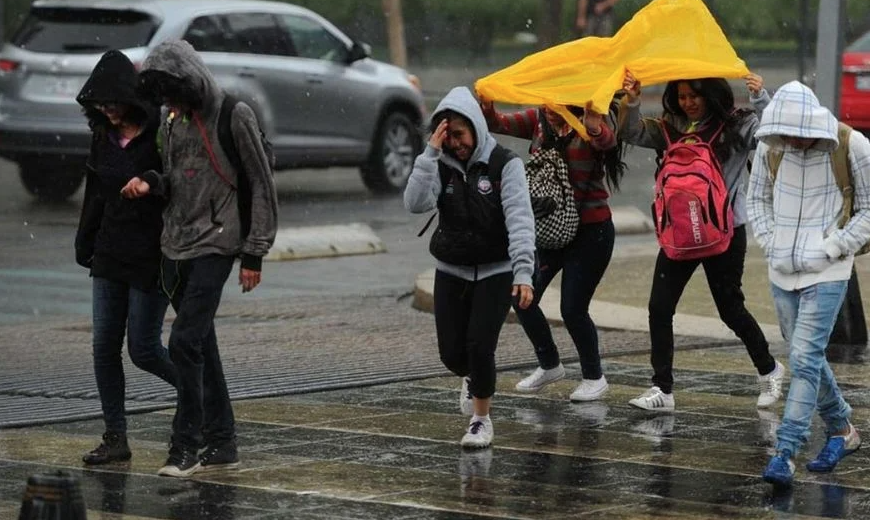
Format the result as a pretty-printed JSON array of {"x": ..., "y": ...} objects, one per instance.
[{"x": 800, "y": 213}]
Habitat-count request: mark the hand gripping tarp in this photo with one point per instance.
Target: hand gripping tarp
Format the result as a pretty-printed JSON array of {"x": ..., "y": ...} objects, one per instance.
[{"x": 664, "y": 41}]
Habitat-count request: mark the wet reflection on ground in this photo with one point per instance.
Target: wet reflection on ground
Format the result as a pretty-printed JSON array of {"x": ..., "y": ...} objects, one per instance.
[{"x": 392, "y": 452}]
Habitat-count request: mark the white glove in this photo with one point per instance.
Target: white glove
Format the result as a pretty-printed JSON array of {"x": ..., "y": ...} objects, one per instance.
[{"x": 832, "y": 248}]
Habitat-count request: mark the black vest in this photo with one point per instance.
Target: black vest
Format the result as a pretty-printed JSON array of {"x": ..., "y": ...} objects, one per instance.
[{"x": 471, "y": 224}]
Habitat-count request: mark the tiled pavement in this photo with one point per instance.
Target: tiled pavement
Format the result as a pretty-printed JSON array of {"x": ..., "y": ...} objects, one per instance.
[{"x": 391, "y": 451}]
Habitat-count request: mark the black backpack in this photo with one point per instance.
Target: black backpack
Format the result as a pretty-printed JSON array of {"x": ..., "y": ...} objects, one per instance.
[{"x": 228, "y": 143}]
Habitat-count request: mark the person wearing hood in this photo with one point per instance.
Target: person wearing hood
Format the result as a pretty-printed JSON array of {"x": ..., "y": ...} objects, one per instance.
[
  {"x": 204, "y": 231},
  {"x": 704, "y": 108},
  {"x": 484, "y": 246},
  {"x": 119, "y": 241},
  {"x": 797, "y": 211}
]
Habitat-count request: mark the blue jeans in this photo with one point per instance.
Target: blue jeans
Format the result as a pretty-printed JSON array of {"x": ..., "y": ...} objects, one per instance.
[
  {"x": 120, "y": 308},
  {"x": 204, "y": 410},
  {"x": 582, "y": 263},
  {"x": 806, "y": 317}
]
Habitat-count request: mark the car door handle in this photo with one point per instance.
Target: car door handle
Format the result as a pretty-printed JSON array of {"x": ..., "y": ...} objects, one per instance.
[
  {"x": 246, "y": 72},
  {"x": 315, "y": 80}
]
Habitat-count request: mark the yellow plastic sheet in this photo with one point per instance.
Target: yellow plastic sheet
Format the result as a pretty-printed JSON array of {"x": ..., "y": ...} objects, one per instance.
[{"x": 664, "y": 41}]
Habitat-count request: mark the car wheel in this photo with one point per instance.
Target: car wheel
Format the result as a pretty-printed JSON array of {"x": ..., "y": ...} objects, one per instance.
[
  {"x": 396, "y": 145},
  {"x": 51, "y": 182}
]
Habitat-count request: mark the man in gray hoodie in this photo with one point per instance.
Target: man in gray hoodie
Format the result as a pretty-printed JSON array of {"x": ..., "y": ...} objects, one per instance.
[
  {"x": 800, "y": 219},
  {"x": 202, "y": 235}
]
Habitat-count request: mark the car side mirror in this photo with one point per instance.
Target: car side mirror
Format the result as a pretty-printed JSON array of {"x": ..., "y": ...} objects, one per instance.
[{"x": 358, "y": 51}]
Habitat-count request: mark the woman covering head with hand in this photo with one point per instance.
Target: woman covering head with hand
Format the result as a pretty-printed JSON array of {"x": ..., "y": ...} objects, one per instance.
[
  {"x": 594, "y": 169},
  {"x": 119, "y": 241},
  {"x": 704, "y": 110},
  {"x": 484, "y": 246}
]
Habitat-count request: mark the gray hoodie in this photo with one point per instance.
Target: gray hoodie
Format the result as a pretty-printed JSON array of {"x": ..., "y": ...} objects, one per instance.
[
  {"x": 424, "y": 187},
  {"x": 202, "y": 215},
  {"x": 795, "y": 217}
]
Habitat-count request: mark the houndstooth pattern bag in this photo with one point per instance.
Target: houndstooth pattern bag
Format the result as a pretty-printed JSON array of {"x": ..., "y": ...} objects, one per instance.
[{"x": 547, "y": 175}]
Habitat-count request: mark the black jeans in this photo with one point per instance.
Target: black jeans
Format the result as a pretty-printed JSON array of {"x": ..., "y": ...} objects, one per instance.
[
  {"x": 582, "y": 263},
  {"x": 468, "y": 321},
  {"x": 204, "y": 410},
  {"x": 119, "y": 307},
  {"x": 724, "y": 277}
]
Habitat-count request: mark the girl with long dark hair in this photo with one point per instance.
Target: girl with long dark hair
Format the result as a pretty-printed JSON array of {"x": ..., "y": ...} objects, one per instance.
[
  {"x": 702, "y": 107},
  {"x": 595, "y": 168}
]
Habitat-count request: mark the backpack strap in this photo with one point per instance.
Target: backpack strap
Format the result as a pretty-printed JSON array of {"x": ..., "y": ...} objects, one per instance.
[
  {"x": 498, "y": 158},
  {"x": 843, "y": 171},
  {"x": 774, "y": 159},
  {"x": 225, "y": 133}
]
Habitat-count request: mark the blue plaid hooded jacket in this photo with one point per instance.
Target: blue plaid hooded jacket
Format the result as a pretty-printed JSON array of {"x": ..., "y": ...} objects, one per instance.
[{"x": 795, "y": 216}]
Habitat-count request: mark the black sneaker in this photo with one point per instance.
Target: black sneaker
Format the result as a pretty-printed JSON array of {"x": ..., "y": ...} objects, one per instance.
[
  {"x": 214, "y": 458},
  {"x": 114, "y": 448},
  {"x": 182, "y": 463}
]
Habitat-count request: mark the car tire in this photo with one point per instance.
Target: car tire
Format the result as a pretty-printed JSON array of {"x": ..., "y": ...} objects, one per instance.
[
  {"x": 51, "y": 182},
  {"x": 394, "y": 149}
]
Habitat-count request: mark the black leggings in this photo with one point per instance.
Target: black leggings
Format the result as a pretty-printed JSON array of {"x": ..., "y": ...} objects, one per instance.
[
  {"x": 725, "y": 278},
  {"x": 468, "y": 321}
]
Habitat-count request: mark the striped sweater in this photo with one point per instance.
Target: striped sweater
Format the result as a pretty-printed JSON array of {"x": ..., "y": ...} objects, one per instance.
[
  {"x": 795, "y": 216},
  {"x": 585, "y": 167}
]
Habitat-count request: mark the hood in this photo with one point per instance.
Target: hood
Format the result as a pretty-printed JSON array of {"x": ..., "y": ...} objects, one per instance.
[
  {"x": 795, "y": 111},
  {"x": 113, "y": 80},
  {"x": 180, "y": 60},
  {"x": 462, "y": 101}
]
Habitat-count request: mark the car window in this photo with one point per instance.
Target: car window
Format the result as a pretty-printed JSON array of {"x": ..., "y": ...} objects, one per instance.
[
  {"x": 71, "y": 30},
  {"x": 862, "y": 44},
  {"x": 312, "y": 40},
  {"x": 257, "y": 33},
  {"x": 206, "y": 35}
]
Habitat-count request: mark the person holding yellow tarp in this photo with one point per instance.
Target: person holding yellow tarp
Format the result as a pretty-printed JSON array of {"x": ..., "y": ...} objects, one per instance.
[
  {"x": 589, "y": 71},
  {"x": 703, "y": 108},
  {"x": 592, "y": 167}
]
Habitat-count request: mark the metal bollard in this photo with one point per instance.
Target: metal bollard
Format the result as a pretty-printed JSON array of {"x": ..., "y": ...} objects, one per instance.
[{"x": 53, "y": 496}]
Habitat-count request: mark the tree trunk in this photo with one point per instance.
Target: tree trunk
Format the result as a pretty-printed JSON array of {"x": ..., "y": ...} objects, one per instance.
[
  {"x": 550, "y": 23},
  {"x": 396, "y": 32}
]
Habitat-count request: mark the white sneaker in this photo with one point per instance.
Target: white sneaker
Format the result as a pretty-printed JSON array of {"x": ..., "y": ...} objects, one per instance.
[
  {"x": 466, "y": 401},
  {"x": 654, "y": 399},
  {"x": 540, "y": 378},
  {"x": 590, "y": 390},
  {"x": 770, "y": 386},
  {"x": 479, "y": 434}
]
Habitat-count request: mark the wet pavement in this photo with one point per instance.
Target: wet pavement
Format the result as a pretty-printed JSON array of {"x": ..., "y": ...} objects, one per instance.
[{"x": 392, "y": 451}]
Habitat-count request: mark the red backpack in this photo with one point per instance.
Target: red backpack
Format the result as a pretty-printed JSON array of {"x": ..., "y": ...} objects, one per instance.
[{"x": 692, "y": 207}]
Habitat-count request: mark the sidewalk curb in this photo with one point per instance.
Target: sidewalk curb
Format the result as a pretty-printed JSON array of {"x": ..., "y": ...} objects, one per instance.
[
  {"x": 629, "y": 220},
  {"x": 606, "y": 315}
]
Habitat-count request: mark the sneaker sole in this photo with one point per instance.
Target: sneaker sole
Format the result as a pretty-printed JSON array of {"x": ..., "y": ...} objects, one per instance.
[
  {"x": 662, "y": 409},
  {"x": 216, "y": 467},
  {"x": 586, "y": 398},
  {"x": 535, "y": 389},
  {"x": 172, "y": 471}
]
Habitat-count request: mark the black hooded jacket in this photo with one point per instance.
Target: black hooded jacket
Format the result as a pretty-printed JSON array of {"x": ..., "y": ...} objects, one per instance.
[{"x": 119, "y": 238}]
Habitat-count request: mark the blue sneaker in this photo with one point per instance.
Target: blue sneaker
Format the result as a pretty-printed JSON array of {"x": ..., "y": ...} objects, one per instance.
[
  {"x": 835, "y": 449},
  {"x": 780, "y": 470}
]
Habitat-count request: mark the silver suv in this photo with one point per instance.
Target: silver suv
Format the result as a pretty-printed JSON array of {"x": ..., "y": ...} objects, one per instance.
[{"x": 321, "y": 99}]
